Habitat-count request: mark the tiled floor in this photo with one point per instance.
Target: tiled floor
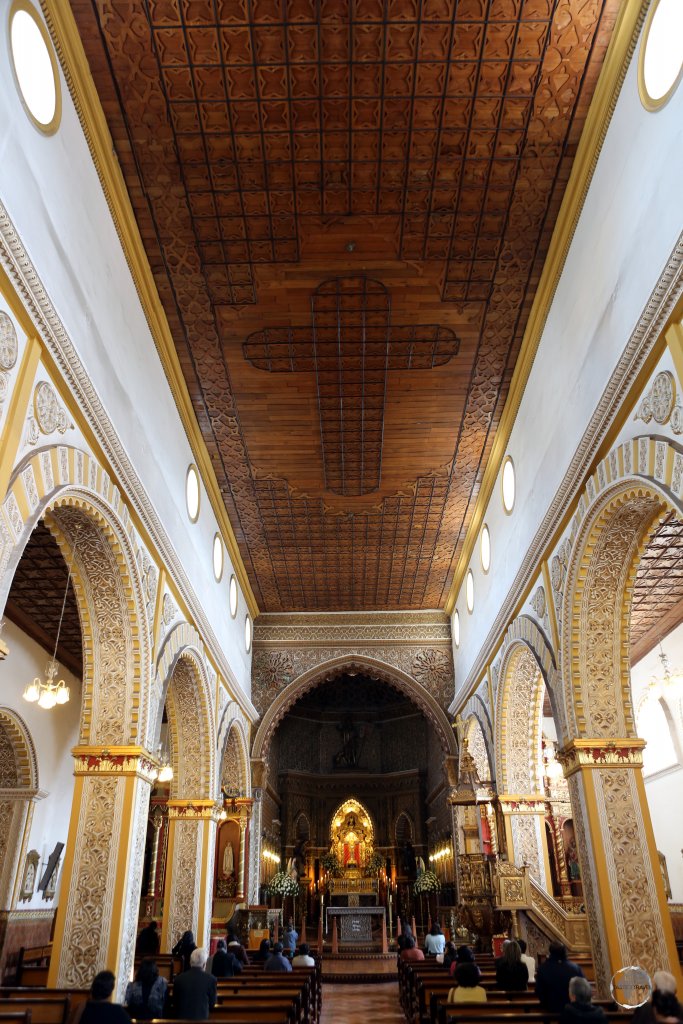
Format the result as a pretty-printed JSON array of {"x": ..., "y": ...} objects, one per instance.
[{"x": 358, "y": 1004}]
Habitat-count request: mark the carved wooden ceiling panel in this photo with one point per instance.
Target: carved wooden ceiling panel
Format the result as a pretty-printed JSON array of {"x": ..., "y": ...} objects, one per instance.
[
  {"x": 35, "y": 600},
  {"x": 346, "y": 205},
  {"x": 657, "y": 603}
]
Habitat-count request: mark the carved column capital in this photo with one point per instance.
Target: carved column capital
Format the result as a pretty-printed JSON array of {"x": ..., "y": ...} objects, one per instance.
[
  {"x": 195, "y": 810},
  {"x": 529, "y": 803},
  {"x": 112, "y": 760},
  {"x": 601, "y": 753}
]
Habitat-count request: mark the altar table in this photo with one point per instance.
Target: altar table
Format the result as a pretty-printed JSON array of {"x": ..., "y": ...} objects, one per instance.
[{"x": 356, "y": 922}]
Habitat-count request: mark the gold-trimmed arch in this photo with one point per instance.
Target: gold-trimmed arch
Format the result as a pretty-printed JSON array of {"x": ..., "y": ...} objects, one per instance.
[
  {"x": 475, "y": 710},
  {"x": 336, "y": 667},
  {"x": 17, "y": 741},
  {"x": 233, "y": 749},
  {"x": 18, "y": 786},
  {"x": 186, "y": 691},
  {"x": 74, "y": 493}
]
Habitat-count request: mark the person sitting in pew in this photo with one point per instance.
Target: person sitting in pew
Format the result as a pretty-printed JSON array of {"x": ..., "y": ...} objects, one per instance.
[
  {"x": 184, "y": 948},
  {"x": 237, "y": 949},
  {"x": 411, "y": 951},
  {"x": 223, "y": 963},
  {"x": 464, "y": 955},
  {"x": 666, "y": 1008},
  {"x": 528, "y": 960},
  {"x": 468, "y": 989},
  {"x": 100, "y": 1009},
  {"x": 303, "y": 957},
  {"x": 450, "y": 955},
  {"x": 146, "y": 996},
  {"x": 195, "y": 991},
  {"x": 511, "y": 974},
  {"x": 435, "y": 941},
  {"x": 276, "y": 961},
  {"x": 580, "y": 1006},
  {"x": 553, "y": 977},
  {"x": 664, "y": 984},
  {"x": 263, "y": 952},
  {"x": 148, "y": 942}
]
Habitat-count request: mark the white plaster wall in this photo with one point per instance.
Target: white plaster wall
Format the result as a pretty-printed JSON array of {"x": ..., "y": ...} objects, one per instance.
[
  {"x": 629, "y": 225},
  {"x": 664, "y": 787},
  {"x": 52, "y": 193},
  {"x": 54, "y": 733}
]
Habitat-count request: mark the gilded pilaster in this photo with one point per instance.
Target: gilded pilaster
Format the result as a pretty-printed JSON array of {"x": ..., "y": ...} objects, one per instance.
[{"x": 188, "y": 888}]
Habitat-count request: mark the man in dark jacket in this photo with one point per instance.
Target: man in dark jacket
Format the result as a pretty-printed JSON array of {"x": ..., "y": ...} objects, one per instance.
[
  {"x": 194, "y": 991},
  {"x": 223, "y": 964},
  {"x": 580, "y": 1008},
  {"x": 276, "y": 961},
  {"x": 553, "y": 977},
  {"x": 147, "y": 942}
]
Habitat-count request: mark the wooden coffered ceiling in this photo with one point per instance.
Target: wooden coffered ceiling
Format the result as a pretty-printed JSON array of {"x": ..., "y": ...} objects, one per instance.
[{"x": 346, "y": 206}]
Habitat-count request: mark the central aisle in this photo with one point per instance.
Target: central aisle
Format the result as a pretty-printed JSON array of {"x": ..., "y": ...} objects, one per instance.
[{"x": 358, "y": 1004}]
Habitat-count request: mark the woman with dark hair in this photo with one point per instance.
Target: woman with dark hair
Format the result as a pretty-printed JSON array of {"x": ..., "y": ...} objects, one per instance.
[
  {"x": 463, "y": 955},
  {"x": 146, "y": 996},
  {"x": 666, "y": 1008},
  {"x": 403, "y": 940},
  {"x": 468, "y": 989},
  {"x": 512, "y": 973},
  {"x": 263, "y": 952},
  {"x": 185, "y": 947},
  {"x": 435, "y": 942}
]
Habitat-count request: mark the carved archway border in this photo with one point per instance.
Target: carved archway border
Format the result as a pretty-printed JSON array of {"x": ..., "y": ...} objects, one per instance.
[
  {"x": 234, "y": 720},
  {"x": 23, "y": 747},
  {"x": 61, "y": 477},
  {"x": 644, "y": 475},
  {"x": 183, "y": 644},
  {"x": 475, "y": 708},
  {"x": 337, "y": 667},
  {"x": 522, "y": 635}
]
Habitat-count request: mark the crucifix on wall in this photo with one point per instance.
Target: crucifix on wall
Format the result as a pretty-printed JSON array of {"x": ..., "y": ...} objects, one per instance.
[{"x": 351, "y": 345}]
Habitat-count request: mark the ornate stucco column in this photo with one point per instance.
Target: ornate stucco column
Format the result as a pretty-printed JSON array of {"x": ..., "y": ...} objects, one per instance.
[
  {"x": 259, "y": 777},
  {"x": 524, "y": 818},
  {"x": 102, "y": 874},
  {"x": 188, "y": 884},
  {"x": 622, "y": 882},
  {"x": 16, "y": 815}
]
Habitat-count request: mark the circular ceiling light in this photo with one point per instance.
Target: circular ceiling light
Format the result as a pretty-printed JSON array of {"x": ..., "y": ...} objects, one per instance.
[
  {"x": 509, "y": 485},
  {"x": 469, "y": 591},
  {"x": 660, "y": 64},
  {"x": 247, "y": 634},
  {"x": 456, "y": 627},
  {"x": 192, "y": 492},
  {"x": 35, "y": 67},
  {"x": 485, "y": 548},
  {"x": 218, "y": 557},
  {"x": 233, "y": 596}
]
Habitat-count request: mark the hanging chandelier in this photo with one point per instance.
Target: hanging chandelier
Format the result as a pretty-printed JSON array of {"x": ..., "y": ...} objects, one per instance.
[
  {"x": 671, "y": 683},
  {"x": 51, "y": 691}
]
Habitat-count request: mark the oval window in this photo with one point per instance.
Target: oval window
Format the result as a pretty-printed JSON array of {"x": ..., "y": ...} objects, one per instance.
[
  {"x": 218, "y": 557},
  {"x": 509, "y": 485},
  {"x": 660, "y": 63},
  {"x": 247, "y": 633},
  {"x": 192, "y": 492},
  {"x": 233, "y": 596},
  {"x": 485, "y": 548},
  {"x": 469, "y": 591},
  {"x": 456, "y": 627},
  {"x": 35, "y": 66}
]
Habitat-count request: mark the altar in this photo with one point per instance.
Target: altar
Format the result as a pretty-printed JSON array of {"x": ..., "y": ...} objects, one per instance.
[{"x": 355, "y": 923}]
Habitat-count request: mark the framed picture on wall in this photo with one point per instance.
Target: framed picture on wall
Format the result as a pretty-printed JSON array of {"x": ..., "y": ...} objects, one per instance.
[{"x": 28, "y": 882}]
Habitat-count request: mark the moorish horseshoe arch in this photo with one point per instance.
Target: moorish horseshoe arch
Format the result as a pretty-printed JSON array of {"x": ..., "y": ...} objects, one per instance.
[
  {"x": 232, "y": 734},
  {"x": 337, "y": 667},
  {"x": 18, "y": 786},
  {"x": 637, "y": 483},
  {"x": 475, "y": 710}
]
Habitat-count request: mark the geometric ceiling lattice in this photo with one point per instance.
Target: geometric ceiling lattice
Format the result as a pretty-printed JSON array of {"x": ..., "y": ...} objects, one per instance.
[
  {"x": 350, "y": 346},
  {"x": 270, "y": 145},
  {"x": 657, "y": 601}
]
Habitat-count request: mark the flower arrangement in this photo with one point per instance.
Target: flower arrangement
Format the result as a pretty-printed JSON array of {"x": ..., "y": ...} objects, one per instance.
[
  {"x": 374, "y": 863},
  {"x": 283, "y": 885},
  {"x": 330, "y": 863},
  {"x": 427, "y": 882}
]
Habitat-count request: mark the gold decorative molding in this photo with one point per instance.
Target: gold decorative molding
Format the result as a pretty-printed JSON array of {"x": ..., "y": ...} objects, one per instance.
[
  {"x": 614, "y": 68},
  {"x": 194, "y": 810},
  {"x": 120, "y": 761},
  {"x": 597, "y": 753},
  {"x": 514, "y": 804}
]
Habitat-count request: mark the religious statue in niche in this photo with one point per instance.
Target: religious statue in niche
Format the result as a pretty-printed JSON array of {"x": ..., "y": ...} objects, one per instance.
[
  {"x": 665, "y": 874},
  {"x": 352, "y": 837},
  {"x": 228, "y": 860},
  {"x": 572, "y": 857},
  {"x": 352, "y": 745},
  {"x": 28, "y": 882}
]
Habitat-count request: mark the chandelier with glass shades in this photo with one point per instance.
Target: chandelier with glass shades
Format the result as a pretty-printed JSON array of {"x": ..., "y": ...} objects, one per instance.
[
  {"x": 51, "y": 691},
  {"x": 669, "y": 684}
]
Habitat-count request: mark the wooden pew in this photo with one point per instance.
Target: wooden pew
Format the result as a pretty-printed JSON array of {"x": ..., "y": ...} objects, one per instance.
[
  {"x": 45, "y": 1007},
  {"x": 20, "y": 1017},
  {"x": 469, "y": 1015}
]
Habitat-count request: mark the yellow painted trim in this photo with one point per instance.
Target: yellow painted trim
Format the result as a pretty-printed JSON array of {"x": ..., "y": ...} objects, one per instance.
[
  {"x": 65, "y": 883},
  {"x": 168, "y": 882},
  {"x": 205, "y": 905},
  {"x": 674, "y": 340},
  {"x": 599, "y": 115},
  {"x": 158, "y": 608},
  {"x": 17, "y": 410},
  {"x": 62, "y": 25},
  {"x": 550, "y": 605},
  {"x": 125, "y": 842},
  {"x": 599, "y": 859}
]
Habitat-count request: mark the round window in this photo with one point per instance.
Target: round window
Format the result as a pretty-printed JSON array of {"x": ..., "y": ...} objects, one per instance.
[
  {"x": 508, "y": 484},
  {"x": 660, "y": 63},
  {"x": 218, "y": 557},
  {"x": 192, "y": 492},
  {"x": 485, "y": 548},
  {"x": 35, "y": 66},
  {"x": 233, "y": 596}
]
